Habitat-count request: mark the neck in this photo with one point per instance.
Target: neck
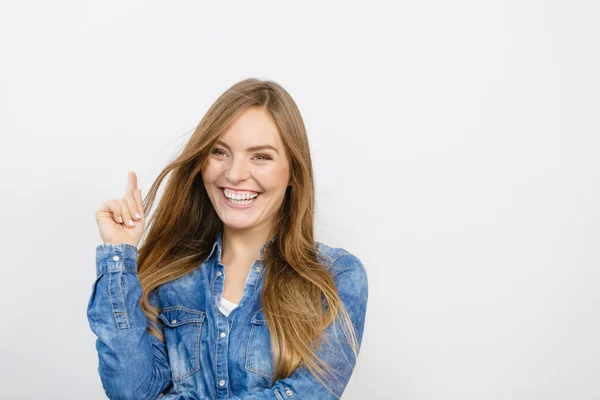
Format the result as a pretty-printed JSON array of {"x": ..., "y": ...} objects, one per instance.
[{"x": 242, "y": 245}]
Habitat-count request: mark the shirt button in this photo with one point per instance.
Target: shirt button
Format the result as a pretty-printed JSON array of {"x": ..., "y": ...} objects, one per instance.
[
  {"x": 257, "y": 268},
  {"x": 174, "y": 321},
  {"x": 288, "y": 392},
  {"x": 116, "y": 258},
  {"x": 221, "y": 382},
  {"x": 218, "y": 273},
  {"x": 223, "y": 334}
]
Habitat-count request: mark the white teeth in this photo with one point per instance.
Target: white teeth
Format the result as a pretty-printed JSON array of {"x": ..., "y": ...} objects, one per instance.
[
  {"x": 242, "y": 202},
  {"x": 230, "y": 194}
]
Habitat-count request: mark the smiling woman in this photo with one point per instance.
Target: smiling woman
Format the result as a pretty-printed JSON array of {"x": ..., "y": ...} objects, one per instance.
[
  {"x": 229, "y": 296},
  {"x": 247, "y": 187}
]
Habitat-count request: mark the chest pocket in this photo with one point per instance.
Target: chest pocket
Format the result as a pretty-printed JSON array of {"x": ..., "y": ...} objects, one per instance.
[
  {"x": 259, "y": 358},
  {"x": 183, "y": 334}
]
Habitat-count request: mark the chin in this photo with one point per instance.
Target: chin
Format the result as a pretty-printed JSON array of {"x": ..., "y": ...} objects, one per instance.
[{"x": 237, "y": 223}]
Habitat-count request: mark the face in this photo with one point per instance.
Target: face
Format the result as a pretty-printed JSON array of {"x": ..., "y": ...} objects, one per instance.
[{"x": 246, "y": 179}]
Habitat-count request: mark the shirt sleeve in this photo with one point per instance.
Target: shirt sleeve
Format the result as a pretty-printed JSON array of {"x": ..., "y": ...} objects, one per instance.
[
  {"x": 133, "y": 364},
  {"x": 352, "y": 284}
]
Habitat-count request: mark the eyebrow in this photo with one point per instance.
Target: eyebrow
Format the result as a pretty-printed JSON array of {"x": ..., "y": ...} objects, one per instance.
[{"x": 253, "y": 148}]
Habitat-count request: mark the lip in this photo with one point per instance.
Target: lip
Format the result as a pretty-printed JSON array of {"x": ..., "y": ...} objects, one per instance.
[
  {"x": 239, "y": 190},
  {"x": 239, "y": 206}
]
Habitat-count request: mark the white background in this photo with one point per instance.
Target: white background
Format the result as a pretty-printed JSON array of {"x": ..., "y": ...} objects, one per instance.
[{"x": 456, "y": 151}]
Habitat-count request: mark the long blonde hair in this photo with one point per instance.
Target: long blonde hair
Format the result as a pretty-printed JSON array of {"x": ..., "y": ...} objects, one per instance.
[{"x": 183, "y": 228}]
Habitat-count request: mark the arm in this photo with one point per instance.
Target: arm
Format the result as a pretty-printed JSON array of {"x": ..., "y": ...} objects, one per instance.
[
  {"x": 133, "y": 364},
  {"x": 352, "y": 284}
]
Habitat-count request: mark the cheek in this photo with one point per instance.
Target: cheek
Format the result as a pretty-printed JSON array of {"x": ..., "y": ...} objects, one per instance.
[
  {"x": 210, "y": 172},
  {"x": 272, "y": 178}
]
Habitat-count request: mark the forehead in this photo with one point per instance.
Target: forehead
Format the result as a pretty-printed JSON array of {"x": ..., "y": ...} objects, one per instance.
[{"x": 254, "y": 126}]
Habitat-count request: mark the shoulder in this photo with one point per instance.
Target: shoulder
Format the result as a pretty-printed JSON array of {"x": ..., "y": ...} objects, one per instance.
[
  {"x": 342, "y": 263},
  {"x": 351, "y": 281}
]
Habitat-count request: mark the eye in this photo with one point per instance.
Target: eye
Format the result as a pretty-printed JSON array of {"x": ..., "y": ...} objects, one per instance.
[{"x": 262, "y": 157}]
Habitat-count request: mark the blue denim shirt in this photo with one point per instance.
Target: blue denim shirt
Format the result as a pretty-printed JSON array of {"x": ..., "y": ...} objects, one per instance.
[{"x": 207, "y": 355}]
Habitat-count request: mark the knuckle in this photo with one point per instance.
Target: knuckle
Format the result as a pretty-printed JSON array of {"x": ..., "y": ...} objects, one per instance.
[
  {"x": 123, "y": 204},
  {"x": 131, "y": 200}
]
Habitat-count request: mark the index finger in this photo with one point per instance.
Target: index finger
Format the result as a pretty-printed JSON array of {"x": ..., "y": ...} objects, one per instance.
[{"x": 131, "y": 182}]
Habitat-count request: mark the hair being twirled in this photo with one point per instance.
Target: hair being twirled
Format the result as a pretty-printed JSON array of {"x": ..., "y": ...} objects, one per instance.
[{"x": 299, "y": 296}]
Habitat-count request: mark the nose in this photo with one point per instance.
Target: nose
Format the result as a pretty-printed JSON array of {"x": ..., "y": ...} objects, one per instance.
[{"x": 237, "y": 171}]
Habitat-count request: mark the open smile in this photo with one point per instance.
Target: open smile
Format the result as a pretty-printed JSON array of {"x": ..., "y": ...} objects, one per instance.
[{"x": 240, "y": 203}]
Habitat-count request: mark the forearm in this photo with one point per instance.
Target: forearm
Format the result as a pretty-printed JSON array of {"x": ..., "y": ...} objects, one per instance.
[{"x": 133, "y": 364}]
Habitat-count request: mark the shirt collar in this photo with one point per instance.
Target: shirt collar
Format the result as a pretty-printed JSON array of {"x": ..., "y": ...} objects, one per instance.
[{"x": 218, "y": 247}]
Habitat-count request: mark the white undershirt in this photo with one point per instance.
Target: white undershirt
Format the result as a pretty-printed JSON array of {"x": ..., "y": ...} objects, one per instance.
[{"x": 226, "y": 306}]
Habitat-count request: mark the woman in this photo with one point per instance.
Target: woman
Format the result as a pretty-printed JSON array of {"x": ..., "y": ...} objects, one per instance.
[{"x": 229, "y": 296}]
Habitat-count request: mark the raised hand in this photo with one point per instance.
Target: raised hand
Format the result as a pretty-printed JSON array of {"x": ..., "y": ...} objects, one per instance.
[{"x": 122, "y": 221}]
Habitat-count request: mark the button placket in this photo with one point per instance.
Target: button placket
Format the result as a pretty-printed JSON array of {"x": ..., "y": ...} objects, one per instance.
[{"x": 222, "y": 367}]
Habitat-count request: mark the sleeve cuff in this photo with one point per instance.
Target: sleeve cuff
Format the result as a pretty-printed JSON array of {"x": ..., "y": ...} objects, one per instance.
[{"x": 114, "y": 257}]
